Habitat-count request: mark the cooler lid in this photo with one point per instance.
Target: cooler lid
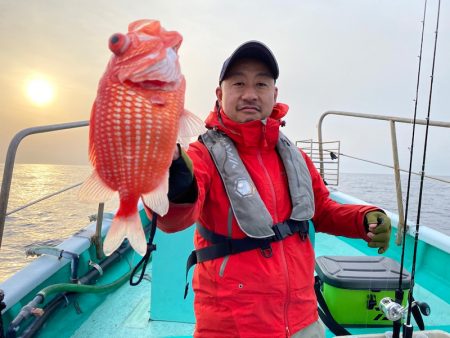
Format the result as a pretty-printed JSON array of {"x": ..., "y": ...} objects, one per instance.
[{"x": 361, "y": 272}]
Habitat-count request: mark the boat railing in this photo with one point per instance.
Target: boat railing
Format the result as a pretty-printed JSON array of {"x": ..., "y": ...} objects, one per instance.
[
  {"x": 17, "y": 139},
  {"x": 402, "y": 226},
  {"x": 330, "y": 169},
  {"x": 8, "y": 174}
]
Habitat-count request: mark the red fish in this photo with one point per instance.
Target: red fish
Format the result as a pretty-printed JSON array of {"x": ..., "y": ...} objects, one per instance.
[{"x": 136, "y": 120}]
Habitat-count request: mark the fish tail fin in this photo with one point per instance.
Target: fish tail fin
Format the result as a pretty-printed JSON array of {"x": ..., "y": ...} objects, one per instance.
[
  {"x": 115, "y": 236},
  {"x": 95, "y": 190},
  {"x": 157, "y": 199},
  {"x": 136, "y": 236},
  {"x": 190, "y": 126},
  {"x": 125, "y": 227}
]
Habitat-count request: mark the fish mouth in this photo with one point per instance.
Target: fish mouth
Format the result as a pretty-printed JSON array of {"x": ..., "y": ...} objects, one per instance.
[
  {"x": 133, "y": 59},
  {"x": 164, "y": 74},
  {"x": 156, "y": 83},
  {"x": 159, "y": 85}
]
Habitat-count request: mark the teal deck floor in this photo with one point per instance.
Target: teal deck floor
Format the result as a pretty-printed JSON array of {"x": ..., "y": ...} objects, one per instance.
[
  {"x": 125, "y": 313},
  {"x": 132, "y": 320}
]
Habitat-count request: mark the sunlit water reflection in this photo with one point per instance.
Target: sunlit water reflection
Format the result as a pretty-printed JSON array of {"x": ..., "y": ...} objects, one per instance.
[{"x": 51, "y": 220}]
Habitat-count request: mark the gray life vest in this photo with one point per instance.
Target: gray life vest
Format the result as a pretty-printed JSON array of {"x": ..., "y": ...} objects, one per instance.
[{"x": 242, "y": 192}]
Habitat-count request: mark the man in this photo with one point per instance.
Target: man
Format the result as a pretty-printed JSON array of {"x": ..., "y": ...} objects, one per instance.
[{"x": 251, "y": 193}]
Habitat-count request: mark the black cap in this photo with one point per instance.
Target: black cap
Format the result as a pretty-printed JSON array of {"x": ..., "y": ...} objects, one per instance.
[{"x": 253, "y": 50}]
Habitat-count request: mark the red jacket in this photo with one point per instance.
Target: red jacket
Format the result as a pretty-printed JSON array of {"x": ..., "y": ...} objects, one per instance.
[{"x": 249, "y": 295}]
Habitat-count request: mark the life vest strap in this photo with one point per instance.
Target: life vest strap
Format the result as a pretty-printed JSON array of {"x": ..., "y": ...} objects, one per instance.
[{"x": 223, "y": 246}]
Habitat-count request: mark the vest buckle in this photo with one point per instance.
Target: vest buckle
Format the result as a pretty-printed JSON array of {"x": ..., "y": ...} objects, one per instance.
[
  {"x": 266, "y": 250},
  {"x": 303, "y": 235}
]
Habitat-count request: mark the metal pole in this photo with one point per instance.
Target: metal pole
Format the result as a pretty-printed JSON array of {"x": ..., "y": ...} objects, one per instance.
[
  {"x": 98, "y": 231},
  {"x": 319, "y": 128},
  {"x": 379, "y": 117},
  {"x": 398, "y": 186}
]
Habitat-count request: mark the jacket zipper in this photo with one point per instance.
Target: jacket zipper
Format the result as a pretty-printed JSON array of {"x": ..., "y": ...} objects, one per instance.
[
  {"x": 286, "y": 274},
  {"x": 229, "y": 227},
  {"x": 286, "y": 304}
]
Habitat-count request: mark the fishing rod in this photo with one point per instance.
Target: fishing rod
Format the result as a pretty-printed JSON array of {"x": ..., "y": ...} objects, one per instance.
[
  {"x": 407, "y": 328},
  {"x": 394, "y": 310},
  {"x": 399, "y": 292}
]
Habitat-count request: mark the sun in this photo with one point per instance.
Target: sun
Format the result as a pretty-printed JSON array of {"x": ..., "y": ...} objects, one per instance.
[{"x": 40, "y": 91}]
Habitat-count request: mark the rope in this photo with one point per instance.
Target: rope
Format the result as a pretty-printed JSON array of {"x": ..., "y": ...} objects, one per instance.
[
  {"x": 389, "y": 166},
  {"x": 42, "y": 199},
  {"x": 150, "y": 248}
]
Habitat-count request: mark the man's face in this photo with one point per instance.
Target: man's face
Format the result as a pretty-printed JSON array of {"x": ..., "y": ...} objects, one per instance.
[{"x": 248, "y": 92}]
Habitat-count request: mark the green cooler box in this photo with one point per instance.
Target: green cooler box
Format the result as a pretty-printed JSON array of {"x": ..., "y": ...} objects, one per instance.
[{"x": 353, "y": 287}]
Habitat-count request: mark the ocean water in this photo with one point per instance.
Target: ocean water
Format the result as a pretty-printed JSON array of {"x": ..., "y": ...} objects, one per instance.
[
  {"x": 379, "y": 189},
  {"x": 54, "y": 220},
  {"x": 48, "y": 222}
]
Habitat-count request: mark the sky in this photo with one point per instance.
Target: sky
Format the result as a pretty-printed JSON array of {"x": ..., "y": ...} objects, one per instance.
[{"x": 348, "y": 55}]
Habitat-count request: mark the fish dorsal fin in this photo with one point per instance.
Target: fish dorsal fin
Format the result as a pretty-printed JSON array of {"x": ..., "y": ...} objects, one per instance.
[
  {"x": 157, "y": 199},
  {"x": 150, "y": 27},
  {"x": 190, "y": 126},
  {"x": 95, "y": 190},
  {"x": 172, "y": 39}
]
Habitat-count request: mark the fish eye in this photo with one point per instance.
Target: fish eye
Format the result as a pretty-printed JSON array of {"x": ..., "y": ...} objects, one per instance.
[
  {"x": 118, "y": 43},
  {"x": 115, "y": 38}
]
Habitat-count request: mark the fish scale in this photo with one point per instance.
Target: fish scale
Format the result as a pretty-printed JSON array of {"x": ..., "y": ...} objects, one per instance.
[{"x": 133, "y": 155}]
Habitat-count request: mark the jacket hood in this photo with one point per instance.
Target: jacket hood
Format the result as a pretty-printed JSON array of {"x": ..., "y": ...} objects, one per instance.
[{"x": 258, "y": 133}]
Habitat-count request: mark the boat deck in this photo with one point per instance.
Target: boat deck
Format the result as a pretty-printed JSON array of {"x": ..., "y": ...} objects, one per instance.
[
  {"x": 111, "y": 319},
  {"x": 125, "y": 313}
]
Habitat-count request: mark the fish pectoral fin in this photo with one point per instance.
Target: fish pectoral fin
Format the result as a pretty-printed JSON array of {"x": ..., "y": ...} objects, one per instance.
[
  {"x": 157, "y": 199},
  {"x": 190, "y": 126},
  {"x": 125, "y": 227},
  {"x": 95, "y": 190}
]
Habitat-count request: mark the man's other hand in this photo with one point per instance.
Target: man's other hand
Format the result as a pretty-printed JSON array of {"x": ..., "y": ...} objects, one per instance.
[{"x": 379, "y": 230}]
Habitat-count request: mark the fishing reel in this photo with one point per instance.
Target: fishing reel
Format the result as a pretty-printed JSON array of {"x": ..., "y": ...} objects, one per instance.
[{"x": 395, "y": 311}]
